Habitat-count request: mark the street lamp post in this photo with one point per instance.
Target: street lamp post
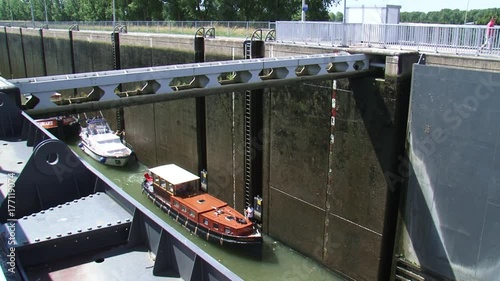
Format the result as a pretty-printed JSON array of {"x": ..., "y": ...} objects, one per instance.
[
  {"x": 32, "y": 14},
  {"x": 344, "y": 39},
  {"x": 11, "y": 14},
  {"x": 303, "y": 15},
  {"x": 46, "y": 17},
  {"x": 114, "y": 16},
  {"x": 466, "y": 10}
]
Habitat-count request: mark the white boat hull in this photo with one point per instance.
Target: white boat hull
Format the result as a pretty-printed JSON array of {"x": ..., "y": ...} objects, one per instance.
[
  {"x": 103, "y": 159},
  {"x": 100, "y": 143}
]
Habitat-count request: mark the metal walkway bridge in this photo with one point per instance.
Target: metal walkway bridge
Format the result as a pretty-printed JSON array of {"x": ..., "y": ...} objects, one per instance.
[{"x": 47, "y": 94}]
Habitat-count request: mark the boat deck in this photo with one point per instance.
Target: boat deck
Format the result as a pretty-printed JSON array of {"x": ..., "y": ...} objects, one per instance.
[
  {"x": 120, "y": 263},
  {"x": 228, "y": 218},
  {"x": 202, "y": 203},
  {"x": 93, "y": 212}
]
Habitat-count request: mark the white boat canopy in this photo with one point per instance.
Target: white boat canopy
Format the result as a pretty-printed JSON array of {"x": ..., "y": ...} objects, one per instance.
[{"x": 173, "y": 174}]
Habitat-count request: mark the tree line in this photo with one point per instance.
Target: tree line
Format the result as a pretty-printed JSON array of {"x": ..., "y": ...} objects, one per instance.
[
  {"x": 213, "y": 10},
  {"x": 174, "y": 10},
  {"x": 448, "y": 16}
]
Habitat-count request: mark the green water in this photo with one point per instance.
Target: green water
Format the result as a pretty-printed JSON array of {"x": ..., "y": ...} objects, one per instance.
[{"x": 278, "y": 262}]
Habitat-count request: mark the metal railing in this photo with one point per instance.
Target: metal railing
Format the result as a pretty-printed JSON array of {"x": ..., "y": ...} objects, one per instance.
[
  {"x": 438, "y": 38},
  {"x": 240, "y": 29}
]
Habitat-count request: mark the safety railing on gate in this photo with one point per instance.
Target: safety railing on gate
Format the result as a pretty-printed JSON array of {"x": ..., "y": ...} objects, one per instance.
[
  {"x": 439, "y": 38},
  {"x": 240, "y": 29}
]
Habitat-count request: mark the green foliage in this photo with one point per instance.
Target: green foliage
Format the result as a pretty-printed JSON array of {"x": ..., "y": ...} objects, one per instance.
[
  {"x": 448, "y": 16},
  {"x": 339, "y": 17},
  {"x": 209, "y": 10},
  {"x": 174, "y": 10}
]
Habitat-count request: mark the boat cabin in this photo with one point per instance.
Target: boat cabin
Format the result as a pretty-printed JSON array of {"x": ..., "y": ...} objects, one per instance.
[
  {"x": 97, "y": 126},
  {"x": 180, "y": 189},
  {"x": 171, "y": 180}
]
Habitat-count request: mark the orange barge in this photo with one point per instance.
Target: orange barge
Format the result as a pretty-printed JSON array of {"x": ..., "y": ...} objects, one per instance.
[{"x": 178, "y": 193}]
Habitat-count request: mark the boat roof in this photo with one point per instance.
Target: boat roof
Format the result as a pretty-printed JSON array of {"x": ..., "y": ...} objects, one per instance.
[
  {"x": 173, "y": 174},
  {"x": 202, "y": 202}
]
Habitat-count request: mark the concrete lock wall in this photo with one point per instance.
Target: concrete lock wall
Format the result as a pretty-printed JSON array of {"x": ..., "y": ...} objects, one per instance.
[
  {"x": 327, "y": 200},
  {"x": 4, "y": 58},
  {"x": 15, "y": 45},
  {"x": 328, "y": 193},
  {"x": 33, "y": 52},
  {"x": 58, "y": 62}
]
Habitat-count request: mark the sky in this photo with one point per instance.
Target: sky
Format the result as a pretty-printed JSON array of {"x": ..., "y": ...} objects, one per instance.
[{"x": 422, "y": 5}]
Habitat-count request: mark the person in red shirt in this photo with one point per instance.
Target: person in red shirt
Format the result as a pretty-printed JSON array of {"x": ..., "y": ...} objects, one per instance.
[{"x": 488, "y": 40}]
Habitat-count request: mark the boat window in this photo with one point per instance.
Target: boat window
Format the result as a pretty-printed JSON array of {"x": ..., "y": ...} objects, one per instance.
[
  {"x": 180, "y": 189},
  {"x": 176, "y": 204},
  {"x": 216, "y": 225},
  {"x": 163, "y": 183},
  {"x": 156, "y": 178},
  {"x": 227, "y": 230},
  {"x": 205, "y": 221},
  {"x": 170, "y": 188},
  {"x": 201, "y": 201},
  {"x": 191, "y": 213},
  {"x": 183, "y": 208}
]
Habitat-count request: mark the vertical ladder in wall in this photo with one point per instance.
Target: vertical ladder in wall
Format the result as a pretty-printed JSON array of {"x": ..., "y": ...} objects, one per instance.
[
  {"x": 248, "y": 135},
  {"x": 254, "y": 126},
  {"x": 248, "y": 49},
  {"x": 115, "y": 44}
]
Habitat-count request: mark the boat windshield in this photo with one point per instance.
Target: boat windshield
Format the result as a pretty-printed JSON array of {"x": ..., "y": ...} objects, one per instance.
[
  {"x": 98, "y": 126},
  {"x": 109, "y": 141}
]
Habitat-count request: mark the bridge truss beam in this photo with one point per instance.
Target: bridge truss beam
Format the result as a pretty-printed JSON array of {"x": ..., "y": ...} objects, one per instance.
[{"x": 173, "y": 82}]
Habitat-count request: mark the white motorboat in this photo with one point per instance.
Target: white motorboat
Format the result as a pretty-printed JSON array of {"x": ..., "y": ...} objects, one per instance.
[{"x": 102, "y": 144}]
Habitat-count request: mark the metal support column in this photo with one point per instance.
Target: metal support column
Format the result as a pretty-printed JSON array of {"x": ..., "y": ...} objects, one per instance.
[
  {"x": 8, "y": 51},
  {"x": 72, "y": 53},
  {"x": 42, "y": 44},
  {"x": 199, "y": 56},
  {"x": 24, "y": 53}
]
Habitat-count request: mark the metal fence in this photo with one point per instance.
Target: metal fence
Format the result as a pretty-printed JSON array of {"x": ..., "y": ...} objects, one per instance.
[
  {"x": 439, "y": 38},
  {"x": 241, "y": 29}
]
